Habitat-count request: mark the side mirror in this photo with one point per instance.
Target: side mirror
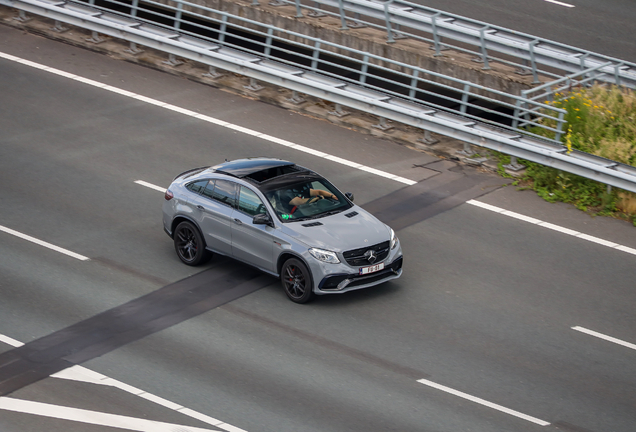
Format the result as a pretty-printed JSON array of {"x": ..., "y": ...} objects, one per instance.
[
  {"x": 349, "y": 196},
  {"x": 263, "y": 219}
]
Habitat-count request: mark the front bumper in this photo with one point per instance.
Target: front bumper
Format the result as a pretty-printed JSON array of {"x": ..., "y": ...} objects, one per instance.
[{"x": 343, "y": 282}]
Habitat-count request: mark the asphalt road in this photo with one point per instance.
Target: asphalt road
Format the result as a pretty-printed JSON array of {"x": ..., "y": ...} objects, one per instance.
[
  {"x": 486, "y": 306},
  {"x": 604, "y": 26}
]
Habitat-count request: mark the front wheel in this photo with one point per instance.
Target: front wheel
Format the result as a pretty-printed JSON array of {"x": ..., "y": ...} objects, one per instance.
[
  {"x": 189, "y": 245},
  {"x": 296, "y": 281}
]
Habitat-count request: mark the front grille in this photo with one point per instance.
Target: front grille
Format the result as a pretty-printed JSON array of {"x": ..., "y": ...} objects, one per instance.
[
  {"x": 331, "y": 282},
  {"x": 356, "y": 257}
]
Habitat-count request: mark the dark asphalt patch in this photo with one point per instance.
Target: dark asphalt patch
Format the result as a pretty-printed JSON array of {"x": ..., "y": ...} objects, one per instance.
[
  {"x": 454, "y": 185},
  {"x": 127, "y": 323}
]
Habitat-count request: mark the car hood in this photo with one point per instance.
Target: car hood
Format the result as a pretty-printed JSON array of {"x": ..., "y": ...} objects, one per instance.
[{"x": 340, "y": 233}]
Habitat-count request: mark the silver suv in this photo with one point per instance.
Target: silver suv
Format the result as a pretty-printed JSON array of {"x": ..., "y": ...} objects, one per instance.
[{"x": 285, "y": 220}]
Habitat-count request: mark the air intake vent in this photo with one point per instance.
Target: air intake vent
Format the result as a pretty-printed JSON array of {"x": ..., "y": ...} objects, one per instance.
[
  {"x": 352, "y": 214},
  {"x": 312, "y": 224}
]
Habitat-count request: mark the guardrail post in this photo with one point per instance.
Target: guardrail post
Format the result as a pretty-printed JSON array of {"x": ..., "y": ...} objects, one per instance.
[
  {"x": 514, "y": 165},
  {"x": 133, "y": 8},
  {"x": 561, "y": 121},
  {"x": 177, "y": 17},
  {"x": 223, "y": 29},
  {"x": 484, "y": 52},
  {"x": 343, "y": 18},
  {"x": 428, "y": 138},
  {"x": 339, "y": 112},
  {"x": 462, "y": 108},
  {"x": 414, "y": 81},
  {"x": 299, "y": 12},
  {"x": 535, "y": 75},
  {"x": 212, "y": 73},
  {"x": 316, "y": 13},
  {"x": 315, "y": 57},
  {"x": 364, "y": 69},
  {"x": 268, "y": 42},
  {"x": 388, "y": 22},
  {"x": 22, "y": 17},
  {"x": 436, "y": 38},
  {"x": 296, "y": 99},
  {"x": 517, "y": 112}
]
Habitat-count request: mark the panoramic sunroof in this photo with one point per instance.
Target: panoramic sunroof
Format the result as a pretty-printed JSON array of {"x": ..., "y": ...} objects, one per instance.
[{"x": 273, "y": 172}]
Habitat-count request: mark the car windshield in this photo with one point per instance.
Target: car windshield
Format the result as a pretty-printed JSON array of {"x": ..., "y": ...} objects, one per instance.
[{"x": 309, "y": 199}]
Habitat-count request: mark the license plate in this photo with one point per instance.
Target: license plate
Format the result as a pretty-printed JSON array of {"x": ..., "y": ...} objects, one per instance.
[{"x": 371, "y": 269}]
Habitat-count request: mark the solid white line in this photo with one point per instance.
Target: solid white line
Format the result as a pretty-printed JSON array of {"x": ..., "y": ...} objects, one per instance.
[
  {"x": 554, "y": 227},
  {"x": 605, "y": 337},
  {"x": 484, "y": 402},
  {"x": 208, "y": 119},
  {"x": 150, "y": 185},
  {"x": 82, "y": 374},
  {"x": 92, "y": 417},
  {"x": 560, "y": 3},
  {"x": 43, "y": 243}
]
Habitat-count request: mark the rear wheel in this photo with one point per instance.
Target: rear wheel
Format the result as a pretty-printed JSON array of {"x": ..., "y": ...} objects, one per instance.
[
  {"x": 296, "y": 281},
  {"x": 189, "y": 245}
]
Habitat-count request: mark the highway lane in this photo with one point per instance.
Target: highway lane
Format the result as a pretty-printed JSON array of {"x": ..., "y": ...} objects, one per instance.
[
  {"x": 486, "y": 306},
  {"x": 603, "y": 27}
]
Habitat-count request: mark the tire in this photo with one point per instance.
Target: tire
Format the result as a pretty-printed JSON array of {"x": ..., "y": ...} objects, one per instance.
[
  {"x": 189, "y": 245},
  {"x": 296, "y": 281}
]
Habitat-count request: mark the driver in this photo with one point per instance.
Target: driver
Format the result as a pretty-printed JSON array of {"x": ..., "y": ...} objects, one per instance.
[{"x": 310, "y": 195}]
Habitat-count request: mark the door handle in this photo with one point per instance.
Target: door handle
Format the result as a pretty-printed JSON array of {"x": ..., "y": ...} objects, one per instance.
[
  {"x": 238, "y": 221},
  {"x": 200, "y": 207}
]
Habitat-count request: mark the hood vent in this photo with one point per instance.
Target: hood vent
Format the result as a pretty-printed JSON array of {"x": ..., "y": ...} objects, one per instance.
[
  {"x": 352, "y": 214},
  {"x": 312, "y": 224}
]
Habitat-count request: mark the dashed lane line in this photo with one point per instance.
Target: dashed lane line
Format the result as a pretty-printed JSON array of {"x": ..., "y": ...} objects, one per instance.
[
  {"x": 605, "y": 337},
  {"x": 208, "y": 119},
  {"x": 82, "y": 374},
  {"x": 483, "y": 402},
  {"x": 43, "y": 243},
  {"x": 554, "y": 227},
  {"x": 568, "y": 5}
]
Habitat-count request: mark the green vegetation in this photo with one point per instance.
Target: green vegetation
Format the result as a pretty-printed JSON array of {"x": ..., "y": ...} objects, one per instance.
[{"x": 601, "y": 121}]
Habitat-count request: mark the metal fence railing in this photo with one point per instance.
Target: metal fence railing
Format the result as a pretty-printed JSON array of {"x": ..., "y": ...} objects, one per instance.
[
  {"x": 352, "y": 81},
  {"x": 486, "y": 42}
]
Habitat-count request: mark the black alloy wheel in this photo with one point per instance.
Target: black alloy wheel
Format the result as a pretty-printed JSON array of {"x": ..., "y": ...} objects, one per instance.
[
  {"x": 296, "y": 281},
  {"x": 189, "y": 245}
]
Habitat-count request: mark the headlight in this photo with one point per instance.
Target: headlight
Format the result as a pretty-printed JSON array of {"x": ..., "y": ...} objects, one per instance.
[
  {"x": 394, "y": 239},
  {"x": 324, "y": 255}
]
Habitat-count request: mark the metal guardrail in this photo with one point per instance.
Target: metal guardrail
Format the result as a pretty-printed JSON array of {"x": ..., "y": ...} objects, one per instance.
[
  {"x": 529, "y": 54},
  {"x": 311, "y": 80}
]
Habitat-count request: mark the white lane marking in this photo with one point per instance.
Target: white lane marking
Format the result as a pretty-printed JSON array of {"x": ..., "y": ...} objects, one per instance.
[
  {"x": 82, "y": 374},
  {"x": 560, "y": 3},
  {"x": 558, "y": 228},
  {"x": 92, "y": 417},
  {"x": 10, "y": 341},
  {"x": 605, "y": 337},
  {"x": 484, "y": 402},
  {"x": 150, "y": 185},
  {"x": 199, "y": 116},
  {"x": 43, "y": 243}
]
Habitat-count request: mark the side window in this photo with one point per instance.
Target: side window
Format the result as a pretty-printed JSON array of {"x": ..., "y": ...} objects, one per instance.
[
  {"x": 250, "y": 203},
  {"x": 197, "y": 186},
  {"x": 225, "y": 192},
  {"x": 208, "y": 191}
]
